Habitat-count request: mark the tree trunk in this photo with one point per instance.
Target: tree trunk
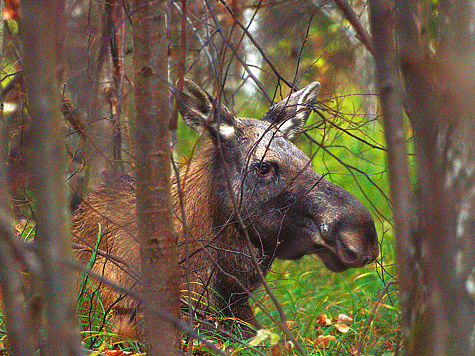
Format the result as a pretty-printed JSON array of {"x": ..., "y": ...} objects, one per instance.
[
  {"x": 20, "y": 333},
  {"x": 157, "y": 237},
  {"x": 390, "y": 93},
  {"x": 42, "y": 39},
  {"x": 437, "y": 254}
]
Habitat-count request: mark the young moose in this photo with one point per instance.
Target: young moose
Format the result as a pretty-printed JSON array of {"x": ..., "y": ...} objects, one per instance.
[{"x": 288, "y": 210}]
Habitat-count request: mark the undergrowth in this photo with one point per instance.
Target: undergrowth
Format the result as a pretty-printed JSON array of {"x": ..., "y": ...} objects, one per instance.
[{"x": 349, "y": 313}]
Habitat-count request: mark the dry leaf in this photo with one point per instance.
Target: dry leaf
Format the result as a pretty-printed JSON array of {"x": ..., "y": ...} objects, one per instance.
[
  {"x": 388, "y": 345},
  {"x": 343, "y": 318},
  {"x": 287, "y": 347},
  {"x": 115, "y": 352},
  {"x": 276, "y": 350},
  {"x": 324, "y": 320},
  {"x": 12, "y": 10},
  {"x": 324, "y": 340},
  {"x": 343, "y": 328},
  {"x": 264, "y": 334}
]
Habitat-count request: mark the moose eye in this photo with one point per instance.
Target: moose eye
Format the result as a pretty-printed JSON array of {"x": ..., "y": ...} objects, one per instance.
[{"x": 265, "y": 169}]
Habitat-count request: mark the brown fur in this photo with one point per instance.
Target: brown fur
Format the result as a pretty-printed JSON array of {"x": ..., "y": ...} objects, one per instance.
[{"x": 205, "y": 267}]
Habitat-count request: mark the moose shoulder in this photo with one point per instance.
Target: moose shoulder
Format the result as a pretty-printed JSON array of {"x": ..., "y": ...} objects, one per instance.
[{"x": 248, "y": 188}]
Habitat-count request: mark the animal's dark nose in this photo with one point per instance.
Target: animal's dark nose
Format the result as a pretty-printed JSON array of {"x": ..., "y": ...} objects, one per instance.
[{"x": 356, "y": 247}]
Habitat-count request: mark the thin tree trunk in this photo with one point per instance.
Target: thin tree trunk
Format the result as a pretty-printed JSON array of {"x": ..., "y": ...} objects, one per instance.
[
  {"x": 157, "y": 237},
  {"x": 98, "y": 150},
  {"x": 42, "y": 38},
  {"x": 20, "y": 333},
  {"x": 390, "y": 93},
  {"x": 429, "y": 324}
]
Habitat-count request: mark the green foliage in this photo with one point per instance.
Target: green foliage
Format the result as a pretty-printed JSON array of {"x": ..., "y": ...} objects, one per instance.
[{"x": 306, "y": 290}]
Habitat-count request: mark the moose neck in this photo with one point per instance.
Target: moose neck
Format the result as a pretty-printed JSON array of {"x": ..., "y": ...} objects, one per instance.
[
  {"x": 210, "y": 220},
  {"x": 198, "y": 200}
]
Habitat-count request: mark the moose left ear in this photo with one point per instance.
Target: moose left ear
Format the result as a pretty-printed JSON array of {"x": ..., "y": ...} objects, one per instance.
[
  {"x": 291, "y": 113},
  {"x": 199, "y": 110}
]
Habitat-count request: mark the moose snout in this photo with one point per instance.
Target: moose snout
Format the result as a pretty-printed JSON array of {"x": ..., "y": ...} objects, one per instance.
[{"x": 356, "y": 249}]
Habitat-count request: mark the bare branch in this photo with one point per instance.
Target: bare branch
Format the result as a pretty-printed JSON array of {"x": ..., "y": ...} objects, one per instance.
[{"x": 352, "y": 18}]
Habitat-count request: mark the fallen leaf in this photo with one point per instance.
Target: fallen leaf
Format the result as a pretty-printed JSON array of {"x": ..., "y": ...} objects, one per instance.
[
  {"x": 388, "y": 345},
  {"x": 219, "y": 344},
  {"x": 324, "y": 320},
  {"x": 324, "y": 340},
  {"x": 343, "y": 328},
  {"x": 288, "y": 346},
  {"x": 276, "y": 350},
  {"x": 264, "y": 334},
  {"x": 115, "y": 352},
  {"x": 12, "y": 10},
  {"x": 343, "y": 318}
]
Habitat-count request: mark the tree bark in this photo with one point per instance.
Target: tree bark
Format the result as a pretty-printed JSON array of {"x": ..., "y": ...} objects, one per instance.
[
  {"x": 157, "y": 237},
  {"x": 391, "y": 99},
  {"x": 20, "y": 333},
  {"x": 436, "y": 254},
  {"x": 442, "y": 310},
  {"x": 42, "y": 39}
]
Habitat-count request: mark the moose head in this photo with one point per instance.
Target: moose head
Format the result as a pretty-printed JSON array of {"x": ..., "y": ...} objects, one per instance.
[{"x": 287, "y": 208}]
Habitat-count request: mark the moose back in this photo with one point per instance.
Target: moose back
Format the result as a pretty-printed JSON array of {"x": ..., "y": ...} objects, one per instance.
[{"x": 255, "y": 173}]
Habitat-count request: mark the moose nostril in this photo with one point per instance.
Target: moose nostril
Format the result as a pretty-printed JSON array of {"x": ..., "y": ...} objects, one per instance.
[
  {"x": 349, "y": 255},
  {"x": 352, "y": 249}
]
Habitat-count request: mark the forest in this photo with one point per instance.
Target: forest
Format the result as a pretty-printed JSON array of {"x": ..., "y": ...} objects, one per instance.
[{"x": 144, "y": 210}]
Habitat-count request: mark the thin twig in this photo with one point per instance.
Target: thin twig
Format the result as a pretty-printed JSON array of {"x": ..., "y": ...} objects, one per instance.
[
  {"x": 236, "y": 54},
  {"x": 258, "y": 47},
  {"x": 373, "y": 314},
  {"x": 353, "y": 19},
  {"x": 350, "y": 168}
]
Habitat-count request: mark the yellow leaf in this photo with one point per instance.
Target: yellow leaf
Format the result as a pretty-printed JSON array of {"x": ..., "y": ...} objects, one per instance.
[
  {"x": 324, "y": 320},
  {"x": 343, "y": 328},
  {"x": 262, "y": 335},
  {"x": 343, "y": 318},
  {"x": 324, "y": 340}
]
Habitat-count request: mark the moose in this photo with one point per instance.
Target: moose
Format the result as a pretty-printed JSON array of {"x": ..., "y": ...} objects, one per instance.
[{"x": 253, "y": 197}]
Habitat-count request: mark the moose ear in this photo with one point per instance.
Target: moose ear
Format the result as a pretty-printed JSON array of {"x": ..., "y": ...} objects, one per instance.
[
  {"x": 291, "y": 113},
  {"x": 199, "y": 110}
]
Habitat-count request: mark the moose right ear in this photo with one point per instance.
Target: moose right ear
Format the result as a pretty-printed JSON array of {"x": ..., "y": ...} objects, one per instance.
[
  {"x": 199, "y": 110},
  {"x": 291, "y": 114}
]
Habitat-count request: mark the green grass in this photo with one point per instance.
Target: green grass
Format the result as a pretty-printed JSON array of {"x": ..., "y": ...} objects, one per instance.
[{"x": 306, "y": 290}]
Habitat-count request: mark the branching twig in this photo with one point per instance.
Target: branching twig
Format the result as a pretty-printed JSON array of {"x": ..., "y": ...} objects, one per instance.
[
  {"x": 258, "y": 47},
  {"x": 352, "y": 18},
  {"x": 373, "y": 314}
]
